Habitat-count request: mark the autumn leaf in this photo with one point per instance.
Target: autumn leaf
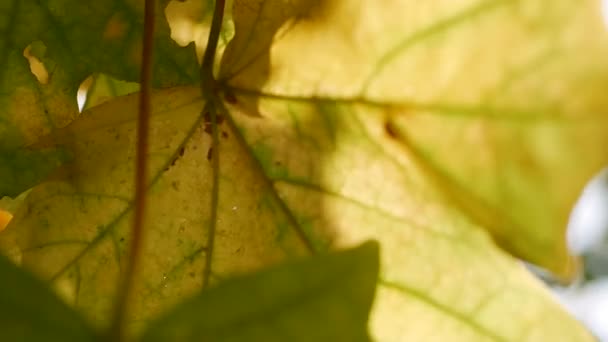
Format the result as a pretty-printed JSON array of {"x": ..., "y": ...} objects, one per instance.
[
  {"x": 436, "y": 129},
  {"x": 502, "y": 82},
  {"x": 73, "y": 231}
]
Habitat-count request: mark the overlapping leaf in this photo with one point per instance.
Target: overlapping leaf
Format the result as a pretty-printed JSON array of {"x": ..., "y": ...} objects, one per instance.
[
  {"x": 336, "y": 169},
  {"x": 294, "y": 302},
  {"x": 72, "y": 39},
  {"x": 501, "y": 102},
  {"x": 482, "y": 107},
  {"x": 414, "y": 127},
  {"x": 74, "y": 230},
  {"x": 31, "y": 313}
]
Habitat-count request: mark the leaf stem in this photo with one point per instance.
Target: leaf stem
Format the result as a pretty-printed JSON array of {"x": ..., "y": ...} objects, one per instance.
[
  {"x": 117, "y": 331},
  {"x": 208, "y": 83},
  {"x": 209, "y": 91}
]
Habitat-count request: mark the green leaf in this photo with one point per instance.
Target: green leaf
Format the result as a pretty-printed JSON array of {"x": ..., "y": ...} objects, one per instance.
[
  {"x": 74, "y": 39},
  {"x": 501, "y": 103},
  {"x": 64, "y": 42},
  {"x": 103, "y": 88},
  {"x": 23, "y": 168},
  {"x": 324, "y": 298},
  {"x": 30, "y": 312}
]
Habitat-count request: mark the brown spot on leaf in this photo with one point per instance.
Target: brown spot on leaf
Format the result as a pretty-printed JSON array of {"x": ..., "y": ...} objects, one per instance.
[
  {"x": 391, "y": 130},
  {"x": 229, "y": 97},
  {"x": 116, "y": 28},
  {"x": 207, "y": 121},
  {"x": 210, "y": 153},
  {"x": 180, "y": 153}
]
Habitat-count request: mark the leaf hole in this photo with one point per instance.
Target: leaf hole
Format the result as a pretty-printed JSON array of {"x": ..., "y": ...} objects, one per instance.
[
  {"x": 36, "y": 66},
  {"x": 188, "y": 21},
  {"x": 83, "y": 90}
]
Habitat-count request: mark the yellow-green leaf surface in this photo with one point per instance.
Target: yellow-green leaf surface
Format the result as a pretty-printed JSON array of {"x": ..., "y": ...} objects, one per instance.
[
  {"x": 189, "y": 21},
  {"x": 309, "y": 300},
  {"x": 501, "y": 103},
  {"x": 73, "y": 39},
  {"x": 438, "y": 270},
  {"x": 74, "y": 230},
  {"x": 442, "y": 277}
]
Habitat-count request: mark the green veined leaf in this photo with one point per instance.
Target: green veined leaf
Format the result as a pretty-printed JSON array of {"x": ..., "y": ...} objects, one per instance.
[
  {"x": 64, "y": 42},
  {"x": 30, "y": 312},
  {"x": 103, "y": 88},
  {"x": 324, "y": 298}
]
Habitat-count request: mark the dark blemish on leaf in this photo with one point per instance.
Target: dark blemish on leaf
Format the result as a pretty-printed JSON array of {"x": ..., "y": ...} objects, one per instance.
[
  {"x": 207, "y": 121},
  {"x": 175, "y": 185},
  {"x": 122, "y": 239},
  {"x": 191, "y": 274},
  {"x": 230, "y": 98},
  {"x": 180, "y": 153},
  {"x": 210, "y": 153},
  {"x": 390, "y": 130},
  {"x": 207, "y": 128},
  {"x": 224, "y": 134}
]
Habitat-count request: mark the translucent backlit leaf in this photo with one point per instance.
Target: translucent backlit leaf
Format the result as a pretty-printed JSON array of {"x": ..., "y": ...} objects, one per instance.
[
  {"x": 501, "y": 102},
  {"x": 74, "y": 229}
]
